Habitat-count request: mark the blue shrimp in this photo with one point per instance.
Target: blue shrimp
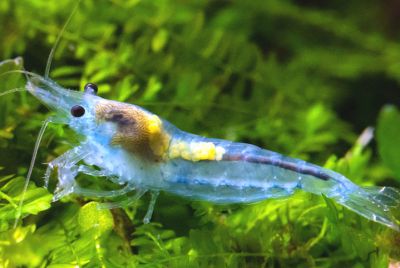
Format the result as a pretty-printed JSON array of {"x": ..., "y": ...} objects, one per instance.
[{"x": 136, "y": 148}]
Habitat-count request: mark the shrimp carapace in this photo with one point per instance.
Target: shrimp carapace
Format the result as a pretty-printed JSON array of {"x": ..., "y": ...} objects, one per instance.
[{"x": 137, "y": 131}]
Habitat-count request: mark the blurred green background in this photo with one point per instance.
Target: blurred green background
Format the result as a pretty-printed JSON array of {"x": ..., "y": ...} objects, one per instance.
[{"x": 301, "y": 77}]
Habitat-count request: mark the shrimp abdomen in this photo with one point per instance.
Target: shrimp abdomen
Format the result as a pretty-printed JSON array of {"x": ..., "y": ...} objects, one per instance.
[{"x": 245, "y": 173}]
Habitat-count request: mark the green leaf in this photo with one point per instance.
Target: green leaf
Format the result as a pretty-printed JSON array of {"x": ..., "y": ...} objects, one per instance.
[
  {"x": 36, "y": 199},
  {"x": 332, "y": 212},
  {"x": 92, "y": 216},
  {"x": 388, "y": 136},
  {"x": 153, "y": 87},
  {"x": 159, "y": 40}
]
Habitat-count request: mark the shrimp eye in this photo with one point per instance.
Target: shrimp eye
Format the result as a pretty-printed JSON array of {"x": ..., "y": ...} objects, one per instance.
[
  {"x": 90, "y": 88},
  {"x": 77, "y": 111}
]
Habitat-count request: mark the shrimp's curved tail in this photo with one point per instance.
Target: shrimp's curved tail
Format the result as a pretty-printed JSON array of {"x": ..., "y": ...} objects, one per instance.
[{"x": 379, "y": 204}]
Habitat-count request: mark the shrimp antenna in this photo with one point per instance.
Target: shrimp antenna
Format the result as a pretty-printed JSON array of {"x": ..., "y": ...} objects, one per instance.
[
  {"x": 28, "y": 176},
  {"x": 23, "y": 72},
  {"x": 53, "y": 49},
  {"x": 18, "y": 89}
]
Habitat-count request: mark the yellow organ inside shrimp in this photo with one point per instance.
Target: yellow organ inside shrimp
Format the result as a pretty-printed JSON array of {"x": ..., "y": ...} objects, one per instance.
[{"x": 195, "y": 151}]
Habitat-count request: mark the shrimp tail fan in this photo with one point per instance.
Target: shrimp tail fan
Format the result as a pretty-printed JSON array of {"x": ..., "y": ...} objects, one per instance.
[{"x": 379, "y": 204}]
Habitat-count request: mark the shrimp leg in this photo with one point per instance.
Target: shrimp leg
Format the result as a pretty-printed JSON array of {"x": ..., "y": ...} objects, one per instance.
[
  {"x": 68, "y": 170},
  {"x": 96, "y": 193},
  {"x": 68, "y": 159},
  {"x": 123, "y": 203},
  {"x": 132, "y": 199},
  {"x": 92, "y": 171},
  {"x": 150, "y": 209}
]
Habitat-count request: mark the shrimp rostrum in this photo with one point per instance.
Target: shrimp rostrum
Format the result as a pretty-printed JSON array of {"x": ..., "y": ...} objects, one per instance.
[{"x": 138, "y": 149}]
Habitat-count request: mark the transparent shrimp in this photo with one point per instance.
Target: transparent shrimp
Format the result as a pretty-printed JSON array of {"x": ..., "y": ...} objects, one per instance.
[{"x": 136, "y": 148}]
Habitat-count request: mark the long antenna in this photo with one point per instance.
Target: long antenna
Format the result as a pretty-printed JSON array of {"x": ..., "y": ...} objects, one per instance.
[
  {"x": 18, "y": 89},
  {"x": 28, "y": 177},
  {"x": 53, "y": 49}
]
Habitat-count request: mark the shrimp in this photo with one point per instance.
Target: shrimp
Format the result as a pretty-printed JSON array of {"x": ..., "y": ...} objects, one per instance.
[
  {"x": 136, "y": 148},
  {"x": 131, "y": 146}
]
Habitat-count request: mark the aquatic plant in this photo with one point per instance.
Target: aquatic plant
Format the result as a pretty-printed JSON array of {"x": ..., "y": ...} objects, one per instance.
[{"x": 298, "y": 77}]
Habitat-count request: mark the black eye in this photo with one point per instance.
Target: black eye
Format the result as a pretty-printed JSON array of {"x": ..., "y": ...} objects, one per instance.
[
  {"x": 90, "y": 88},
  {"x": 77, "y": 111}
]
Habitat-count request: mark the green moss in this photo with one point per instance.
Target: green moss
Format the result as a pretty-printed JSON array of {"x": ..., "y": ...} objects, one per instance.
[{"x": 300, "y": 77}]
